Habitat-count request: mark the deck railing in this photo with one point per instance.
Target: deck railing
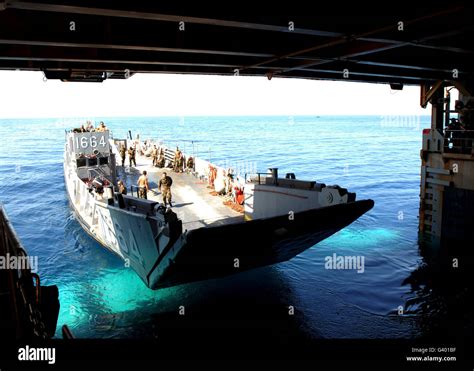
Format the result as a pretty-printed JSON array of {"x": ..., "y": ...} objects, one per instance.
[
  {"x": 458, "y": 141},
  {"x": 100, "y": 173}
]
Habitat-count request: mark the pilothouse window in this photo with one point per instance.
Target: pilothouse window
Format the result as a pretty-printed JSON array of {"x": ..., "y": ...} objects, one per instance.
[
  {"x": 92, "y": 162},
  {"x": 103, "y": 160},
  {"x": 81, "y": 162}
]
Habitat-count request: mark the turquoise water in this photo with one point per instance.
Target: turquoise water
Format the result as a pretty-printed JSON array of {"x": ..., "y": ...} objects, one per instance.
[{"x": 101, "y": 298}]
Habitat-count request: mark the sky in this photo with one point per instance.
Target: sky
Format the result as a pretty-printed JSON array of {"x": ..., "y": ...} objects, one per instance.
[{"x": 26, "y": 95}]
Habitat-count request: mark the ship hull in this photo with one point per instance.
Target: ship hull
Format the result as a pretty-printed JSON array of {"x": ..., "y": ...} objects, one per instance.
[
  {"x": 224, "y": 250},
  {"x": 218, "y": 251}
]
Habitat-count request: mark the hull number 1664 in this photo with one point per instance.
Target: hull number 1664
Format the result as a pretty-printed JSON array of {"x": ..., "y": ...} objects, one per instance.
[{"x": 92, "y": 141}]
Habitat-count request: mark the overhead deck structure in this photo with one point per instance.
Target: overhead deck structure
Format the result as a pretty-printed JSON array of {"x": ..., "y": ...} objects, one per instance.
[
  {"x": 429, "y": 46},
  {"x": 97, "y": 39}
]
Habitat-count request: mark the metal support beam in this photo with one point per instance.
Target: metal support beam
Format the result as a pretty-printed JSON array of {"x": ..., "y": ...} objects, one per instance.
[
  {"x": 63, "y": 44},
  {"x": 119, "y": 37},
  {"x": 368, "y": 51},
  {"x": 427, "y": 93},
  {"x": 366, "y": 36},
  {"x": 462, "y": 89},
  {"x": 24, "y": 5},
  {"x": 345, "y": 39},
  {"x": 147, "y": 48}
]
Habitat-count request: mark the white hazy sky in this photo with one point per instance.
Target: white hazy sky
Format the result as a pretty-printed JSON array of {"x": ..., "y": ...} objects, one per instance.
[{"x": 25, "y": 94}]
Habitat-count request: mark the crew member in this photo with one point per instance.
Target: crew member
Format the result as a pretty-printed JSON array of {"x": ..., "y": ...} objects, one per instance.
[
  {"x": 131, "y": 156},
  {"x": 121, "y": 187},
  {"x": 123, "y": 152},
  {"x": 143, "y": 185},
  {"x": 154, "y": 155},
  {"x": 181, "y": 162},
  {"x": 190, "y": 163},
  {"x": 165, "y": 187},
  {"x": 161, "y": 159},
  {"x": 178, "y": 160},
  {"x": 101, "y": 128}
]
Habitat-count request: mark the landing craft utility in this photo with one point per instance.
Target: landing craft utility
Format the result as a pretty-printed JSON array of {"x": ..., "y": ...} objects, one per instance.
[{"x": 266, "y": 219}]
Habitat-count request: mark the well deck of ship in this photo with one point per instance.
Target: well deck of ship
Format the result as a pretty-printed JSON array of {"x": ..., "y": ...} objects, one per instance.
[{"x": 191, "y": 199}]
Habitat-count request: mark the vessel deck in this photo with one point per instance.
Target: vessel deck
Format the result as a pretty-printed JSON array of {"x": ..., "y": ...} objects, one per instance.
[{"x": 192, "y": 200}]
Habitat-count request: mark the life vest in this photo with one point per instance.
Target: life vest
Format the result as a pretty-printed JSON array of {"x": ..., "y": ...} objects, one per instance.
[{"x": 239, "y": 195}]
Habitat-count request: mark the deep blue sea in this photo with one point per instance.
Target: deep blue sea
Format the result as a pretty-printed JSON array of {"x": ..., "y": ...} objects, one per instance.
[{"x": 100, "y": 298}]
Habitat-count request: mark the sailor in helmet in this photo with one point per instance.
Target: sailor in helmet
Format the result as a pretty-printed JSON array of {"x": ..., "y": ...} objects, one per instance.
[
  {"x": 131, "y": 156},
  {"x": 165, "y": 187}
]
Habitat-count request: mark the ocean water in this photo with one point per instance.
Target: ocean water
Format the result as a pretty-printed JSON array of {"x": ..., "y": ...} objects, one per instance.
[{"x": 376, "y": 158}]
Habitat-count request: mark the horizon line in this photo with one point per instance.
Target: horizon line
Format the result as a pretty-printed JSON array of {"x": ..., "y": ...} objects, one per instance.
[{"x": 211, "y": 116}]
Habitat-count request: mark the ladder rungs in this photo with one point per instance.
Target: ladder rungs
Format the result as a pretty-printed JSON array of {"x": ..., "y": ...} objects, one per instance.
[
  {"x": 434, "y": 170},
  {"x": 438, "y": 182}
]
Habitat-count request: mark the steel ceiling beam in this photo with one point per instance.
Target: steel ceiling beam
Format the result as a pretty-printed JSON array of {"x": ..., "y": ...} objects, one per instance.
[
  {"x": 117, "y": 61},
  {"x": 45, "y": 52},
  {"x": 369, "y": 51},
  {"x": 221, "y": 68},
  {"x": 56, "y": 44},
  {"x": 366, "y": 36},
  {"x": 313, "y": 75},
  {"x": 129, "y": 47},
  {"x": 100, "y": 48},
  {"x": 343, "y": 39},
  {"x": 55, "y": 8},
  {"x": 421, "y": 43}
]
